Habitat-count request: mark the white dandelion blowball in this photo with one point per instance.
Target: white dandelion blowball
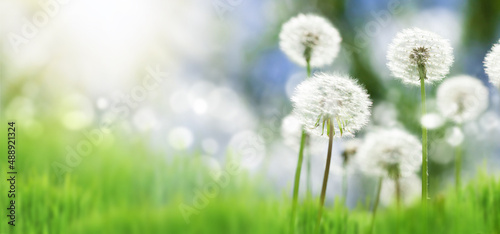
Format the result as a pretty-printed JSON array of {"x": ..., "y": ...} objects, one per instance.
[
  {"x": 331, "y": 97},
  {"x": 310, "y": 36},
  {"x": 462, "y": 98},
  {"x": 492, "y": 65},
  {"x": 390, "y": 153},
  {"x": 412, "y": 48}
]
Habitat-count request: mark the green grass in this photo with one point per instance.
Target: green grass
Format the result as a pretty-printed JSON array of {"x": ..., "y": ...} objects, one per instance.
[{"x": 126, "y": 188}]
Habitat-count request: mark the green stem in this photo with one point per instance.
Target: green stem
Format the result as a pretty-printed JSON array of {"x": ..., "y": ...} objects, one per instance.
[
  {"x": 344, "y": 183},
  {"x": 458, "y": 167},
  {"x": 327, "y": 171},
  {"x": 309, "y": 182},
  {"x": 298, "y": 170},
  {"x": 397, "y": 183},
  {"x": 308, "y": 69},
  {"x": 309, "y": 179},
  {"x": 425, "y": 169},
  {"x": 375, "y": 205},
  {"x": 297, "y": 180}
]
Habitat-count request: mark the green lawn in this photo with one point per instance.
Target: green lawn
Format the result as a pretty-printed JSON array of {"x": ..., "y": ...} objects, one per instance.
[{"x": 125, "y": 188}]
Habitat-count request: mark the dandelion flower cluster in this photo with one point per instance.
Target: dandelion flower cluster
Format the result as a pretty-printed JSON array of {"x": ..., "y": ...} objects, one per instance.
[
  {"x": 462, "y": 98},
  {"x": 310, "y": 37},
  {"x": 415, "y": 47},
  {"x": 390, "y": 153},
  {"x": 492, "y": 65},
  {"x": 335, "y": 97}
]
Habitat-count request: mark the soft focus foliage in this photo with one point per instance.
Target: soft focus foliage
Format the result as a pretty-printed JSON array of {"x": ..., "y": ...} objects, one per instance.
[
  {"x": 195, "y": 86},
  {"x": 112, "y": 195}
]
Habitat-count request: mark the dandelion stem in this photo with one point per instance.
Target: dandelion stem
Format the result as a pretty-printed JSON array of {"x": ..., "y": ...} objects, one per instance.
[
  {"x": 309, "y": 183},
  {"x": 308, "y": 157},
  {"x": 397, "y": 183},
  {"x": 308, "y": 69},
  {"x": 425, "y": 169},
  {"x": 458, "y": 167},
  {"x": 297, "y": 180},
  {"x": 344, "y": 182},
  {"x": 327, "y": 171},
  {"x": 298, "y": 170},
  {"x": 375, "y": 205}
]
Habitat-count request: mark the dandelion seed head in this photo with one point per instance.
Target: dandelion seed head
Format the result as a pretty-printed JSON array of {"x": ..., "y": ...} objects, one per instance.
[
  {"x": 419, "y": 55},
  {"x": 462, "y": 98},
  {"x": 413, "y": 47},
  {"x": 390, "y": 153},
  {"x": 492, "y": 65},
  {"x": 334, "y": 97},
  {"x": 310, "y": 36}
]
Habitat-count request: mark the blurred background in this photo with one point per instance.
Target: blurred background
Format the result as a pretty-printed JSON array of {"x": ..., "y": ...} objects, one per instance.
[{"x": 113, "y": 100}]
